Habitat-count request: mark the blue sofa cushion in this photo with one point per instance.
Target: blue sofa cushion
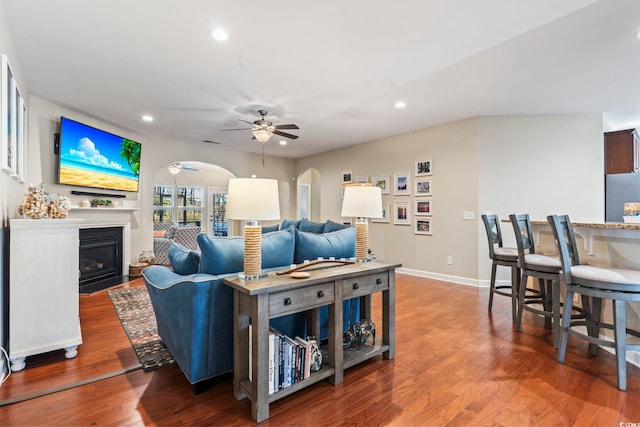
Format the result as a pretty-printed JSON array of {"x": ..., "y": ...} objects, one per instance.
[
  {"x": 183, "y": 260},
  {"x": 330, "y": 226},
  {"x": 222, "y": 255},
  {"x": 337, "y": 244},
  {"x": 311, "y": 227},
  {"x": 286, "y": 224},
  {"x": 270, "y": 228}
]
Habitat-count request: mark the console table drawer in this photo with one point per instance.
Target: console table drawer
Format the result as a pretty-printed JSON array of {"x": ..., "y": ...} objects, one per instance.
[
  {"x": 365, "y": 285},
  {"x": 300, "y": 299}
]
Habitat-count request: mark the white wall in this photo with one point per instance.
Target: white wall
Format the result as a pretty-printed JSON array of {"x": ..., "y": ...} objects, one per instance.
[
  {"x": 453, "y": 148},
  {"x": 540, "y": 165}
]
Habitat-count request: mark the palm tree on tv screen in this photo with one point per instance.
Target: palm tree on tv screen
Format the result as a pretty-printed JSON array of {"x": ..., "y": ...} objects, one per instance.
[{"x": 130, "y": 151}]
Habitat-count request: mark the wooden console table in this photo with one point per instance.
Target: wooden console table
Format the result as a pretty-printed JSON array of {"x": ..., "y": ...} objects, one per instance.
[{"x": 275, "y": 296}]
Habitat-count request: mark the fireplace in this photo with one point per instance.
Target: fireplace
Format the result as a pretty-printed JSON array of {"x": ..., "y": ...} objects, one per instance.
[{"x": 100, "y": 258}]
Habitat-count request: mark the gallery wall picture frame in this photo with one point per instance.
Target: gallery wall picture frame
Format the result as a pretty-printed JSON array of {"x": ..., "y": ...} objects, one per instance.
[
  {"x": 401, "y": 184},
  {"x": 423, "y": 226},
  {"x": 385, "y": 214},
  {"x": 424, "y": 167},
  {"x": 347, "y": 177},
  {"x": 362, "y": 179},
  {"x": 423, "y": 207},
  {"x": 423, "y": 187},
  {"x": 402, "y": 213},
  {"x": 382, "y": 182},
  {"x": 21, "y": 129}
]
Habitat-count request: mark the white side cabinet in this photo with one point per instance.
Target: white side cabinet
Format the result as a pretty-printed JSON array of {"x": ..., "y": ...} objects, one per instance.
[{"x": 43, "y": 288}]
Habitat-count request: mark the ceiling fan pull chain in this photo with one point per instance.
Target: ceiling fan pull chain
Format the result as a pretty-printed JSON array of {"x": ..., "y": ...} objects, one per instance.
[{"x": 262, "y": 154}]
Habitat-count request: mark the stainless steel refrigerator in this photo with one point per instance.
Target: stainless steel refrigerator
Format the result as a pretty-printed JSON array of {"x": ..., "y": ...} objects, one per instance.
[{"x": 620, "y": 188}]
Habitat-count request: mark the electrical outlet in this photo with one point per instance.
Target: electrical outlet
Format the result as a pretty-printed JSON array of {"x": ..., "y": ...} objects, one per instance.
[
  {"x": 449, "y": 260},
  {"x": 468, "y": 215}
]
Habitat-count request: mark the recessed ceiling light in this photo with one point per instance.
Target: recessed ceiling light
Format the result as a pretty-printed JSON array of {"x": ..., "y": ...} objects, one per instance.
[
  {"x": 220, "y": 35},
  {"x": 147, "y": 118},
  {"x": 400, "y": 104},
  {"x": 283, "y": 142}
]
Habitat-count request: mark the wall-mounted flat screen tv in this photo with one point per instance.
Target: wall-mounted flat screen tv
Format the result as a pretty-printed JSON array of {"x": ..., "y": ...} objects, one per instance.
[{"x": 91, "y": 157}]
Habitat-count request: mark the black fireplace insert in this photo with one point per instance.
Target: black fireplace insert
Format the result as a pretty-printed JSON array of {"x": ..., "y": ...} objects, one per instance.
[{"x": 100, "y": 258}]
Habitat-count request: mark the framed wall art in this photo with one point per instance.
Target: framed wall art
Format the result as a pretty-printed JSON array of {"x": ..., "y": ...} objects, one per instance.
[
  {"x": 401, "y": 184},
  {"x": 382, "y": 182},
  {"x": 385, "y": 214},
  {"x": 7, "y": 110},
  {"x": 423, "y": 187},
  {"x": 423, "y": 207},
  {"x": 423, "y": 226},
  {"x": 424, "y": 167},
  {"x": 401, "y": 213},
  {"x": 347, "y": 177}
]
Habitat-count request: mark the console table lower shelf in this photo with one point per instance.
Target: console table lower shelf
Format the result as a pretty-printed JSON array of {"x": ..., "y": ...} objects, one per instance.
[{"x": 257, "y": 301}]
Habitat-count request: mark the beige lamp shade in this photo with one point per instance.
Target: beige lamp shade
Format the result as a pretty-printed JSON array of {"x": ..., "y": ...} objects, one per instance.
[
  {"x": 362, "y": 201},
  {"x": 253, "y": 199}
]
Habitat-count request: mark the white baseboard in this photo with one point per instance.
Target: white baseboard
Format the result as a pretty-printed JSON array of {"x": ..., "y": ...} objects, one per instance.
[
  {"x": 633, "y": 357},
  {"x": 445, "y": 277}
]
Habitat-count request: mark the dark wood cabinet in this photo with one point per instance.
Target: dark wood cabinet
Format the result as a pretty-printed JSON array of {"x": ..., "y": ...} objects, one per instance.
[{"x": 621, "y": 151}]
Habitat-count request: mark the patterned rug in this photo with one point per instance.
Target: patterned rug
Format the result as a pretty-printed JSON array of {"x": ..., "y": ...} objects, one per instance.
[{"x": 135, "y": 312}]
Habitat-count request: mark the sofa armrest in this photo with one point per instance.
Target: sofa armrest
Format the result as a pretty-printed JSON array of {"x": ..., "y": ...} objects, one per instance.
[{"x": 194, "y": 314}]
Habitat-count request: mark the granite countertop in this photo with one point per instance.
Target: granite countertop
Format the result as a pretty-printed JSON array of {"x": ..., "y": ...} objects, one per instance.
[{"x": 608, "y": 225}]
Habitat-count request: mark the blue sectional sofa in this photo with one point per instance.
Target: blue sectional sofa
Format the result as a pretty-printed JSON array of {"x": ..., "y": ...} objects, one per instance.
[{"x": 194, "y": 308}]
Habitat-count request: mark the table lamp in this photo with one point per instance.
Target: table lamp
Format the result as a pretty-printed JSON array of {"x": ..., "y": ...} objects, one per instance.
[
  {"x": 362, "y": 201},
  {"x": 253, "y": 200}
]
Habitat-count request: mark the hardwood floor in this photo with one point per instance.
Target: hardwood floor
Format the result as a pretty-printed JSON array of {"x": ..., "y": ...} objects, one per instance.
[{"x": 455, "y": 365}]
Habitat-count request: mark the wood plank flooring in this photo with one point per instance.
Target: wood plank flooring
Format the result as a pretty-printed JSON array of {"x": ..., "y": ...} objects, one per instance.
[{"x": 455, "y": 365}]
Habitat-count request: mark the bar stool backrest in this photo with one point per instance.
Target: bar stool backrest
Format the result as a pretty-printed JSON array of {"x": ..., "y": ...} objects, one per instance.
[
  {"x": 494, "y": 235},
  {"x": 565, "y": 242}
]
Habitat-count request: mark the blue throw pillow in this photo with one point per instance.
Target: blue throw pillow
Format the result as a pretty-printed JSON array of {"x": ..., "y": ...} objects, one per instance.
[
  {"x": 311, "y": 227},
  {"x": 221, "y": 255},
  {"x": 183, "y": 260},
  {"x": 270, "y": 228},
  {"x": 330, "y": 226},
  {"x": 286, "y": 224},
  {"x": 337, "y": 244}
]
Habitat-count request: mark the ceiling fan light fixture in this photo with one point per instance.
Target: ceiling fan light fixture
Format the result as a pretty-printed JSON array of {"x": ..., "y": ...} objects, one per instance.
[
  {"x": 174, "y": 168},
  {"x": 262, "y": 135}
]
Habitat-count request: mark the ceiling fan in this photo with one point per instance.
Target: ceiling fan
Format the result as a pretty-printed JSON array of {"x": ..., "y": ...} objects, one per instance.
[
  {"x": 263, "y": 129},
  {"x": 176, "y": 167}
]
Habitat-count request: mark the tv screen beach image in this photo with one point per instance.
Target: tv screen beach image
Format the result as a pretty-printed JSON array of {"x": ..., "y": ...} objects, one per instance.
[{"x": 90, "y": 157}]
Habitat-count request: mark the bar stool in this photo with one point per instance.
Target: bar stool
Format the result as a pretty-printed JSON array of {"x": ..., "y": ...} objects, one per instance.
[
  {"x": 507, "y": 257},
  {"x": 543, "y": 267},
  {"x": 595, "y": 283}
]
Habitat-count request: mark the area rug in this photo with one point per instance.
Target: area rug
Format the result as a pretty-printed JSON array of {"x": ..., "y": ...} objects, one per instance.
[{"x": 135, "y": 312}]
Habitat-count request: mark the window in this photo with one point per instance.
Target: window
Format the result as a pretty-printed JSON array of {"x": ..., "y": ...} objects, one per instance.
[
  {"x": 220, "y": 223},
  {"x": 162, "y": 204},
  {"x": 190, "y": 206},
  {"x": 178, "y": 205}
]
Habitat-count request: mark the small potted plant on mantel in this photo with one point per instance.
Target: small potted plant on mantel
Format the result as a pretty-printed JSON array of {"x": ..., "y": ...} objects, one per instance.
[{"x": 101, "y": 203}]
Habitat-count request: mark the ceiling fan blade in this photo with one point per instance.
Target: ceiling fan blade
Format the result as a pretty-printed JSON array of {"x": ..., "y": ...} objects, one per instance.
[
  {"x": 238, "y": 129},
  {"x": 286, "y": 135},
  {"x": 245, "y": 121},
  {"x": 189, "y": 168},
  {"x": 291, "y": 126}
]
